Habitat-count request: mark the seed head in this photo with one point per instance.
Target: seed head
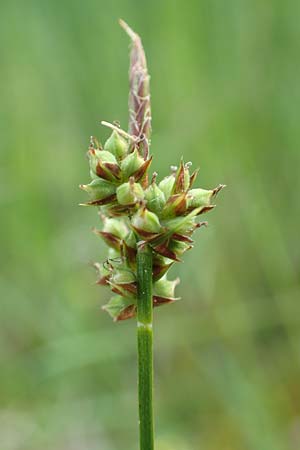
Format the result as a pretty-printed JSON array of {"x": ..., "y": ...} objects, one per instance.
[{"x": 133, "y": 210}]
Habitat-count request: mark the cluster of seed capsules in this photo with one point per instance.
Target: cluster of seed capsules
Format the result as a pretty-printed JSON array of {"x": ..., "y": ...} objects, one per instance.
[{"x": 134, "y": 208}]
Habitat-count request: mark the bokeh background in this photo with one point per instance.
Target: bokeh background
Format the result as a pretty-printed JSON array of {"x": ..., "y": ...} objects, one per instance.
[{"x": 226, "y": 95}]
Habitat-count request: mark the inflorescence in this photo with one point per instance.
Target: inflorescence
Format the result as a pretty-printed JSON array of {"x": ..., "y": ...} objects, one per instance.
[{"x": 136, "y": 208}]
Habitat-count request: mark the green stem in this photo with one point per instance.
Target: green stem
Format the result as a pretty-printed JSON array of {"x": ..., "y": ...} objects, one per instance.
[{"x": 145, "y": 345}]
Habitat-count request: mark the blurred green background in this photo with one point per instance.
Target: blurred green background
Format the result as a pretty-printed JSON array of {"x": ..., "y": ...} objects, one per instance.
[{"x": 226, "y": 94}]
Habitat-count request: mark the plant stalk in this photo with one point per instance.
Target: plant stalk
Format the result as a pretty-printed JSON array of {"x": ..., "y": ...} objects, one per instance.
[{"x": 145, "y": 345}]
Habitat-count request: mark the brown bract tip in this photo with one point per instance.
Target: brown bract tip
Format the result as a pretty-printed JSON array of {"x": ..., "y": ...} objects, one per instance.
[{"x": 128, "y": 30}]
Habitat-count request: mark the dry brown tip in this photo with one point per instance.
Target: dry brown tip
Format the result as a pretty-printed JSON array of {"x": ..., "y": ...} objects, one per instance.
[
  {"x": 139, "y": 93},
  {"x": 128, "y": 30}
]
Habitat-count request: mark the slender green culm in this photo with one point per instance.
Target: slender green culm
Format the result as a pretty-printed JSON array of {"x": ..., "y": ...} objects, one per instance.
[
  {"x": 145, "y": 345},
  {"x": 147, "y": 225}
]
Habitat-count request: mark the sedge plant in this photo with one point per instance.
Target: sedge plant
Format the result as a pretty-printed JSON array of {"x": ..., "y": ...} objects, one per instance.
[{"x": 147, "y": 224}]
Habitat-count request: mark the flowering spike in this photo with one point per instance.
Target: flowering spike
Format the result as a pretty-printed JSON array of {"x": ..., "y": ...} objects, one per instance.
[
  {"x": 162, "y": 214},
  {"x": 139, "y": 94},
  {"x": 147, "y": 227}
]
